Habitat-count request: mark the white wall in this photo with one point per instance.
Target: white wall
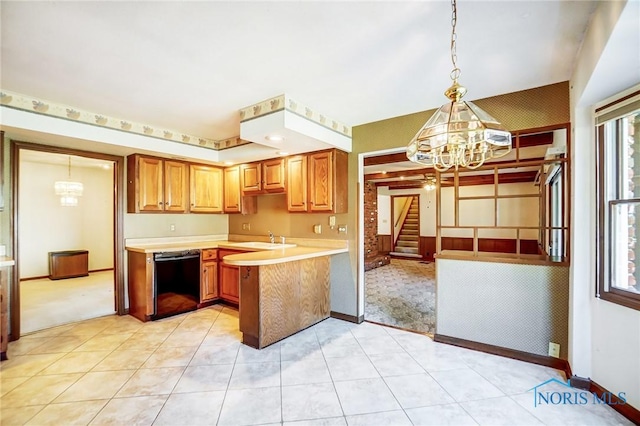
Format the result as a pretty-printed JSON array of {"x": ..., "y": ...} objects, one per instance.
[
  {"x": 604, "y": 338},
  {"x": 46, "y": 226},
  {"x": 512, "y": 211},
  {"x": 427, "y": 210}
]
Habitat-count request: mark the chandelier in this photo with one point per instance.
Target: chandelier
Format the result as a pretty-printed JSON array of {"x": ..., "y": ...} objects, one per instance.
[
  {"x": 459, "y": 133},
  {"x": 68, "y": 191},
  {"x": 430, "y": 183}
]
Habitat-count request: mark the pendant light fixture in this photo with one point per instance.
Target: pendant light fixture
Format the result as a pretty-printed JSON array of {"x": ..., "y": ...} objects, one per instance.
[
  {"x": 68, "y": 190},
  {"x": 459, "y": 134}
]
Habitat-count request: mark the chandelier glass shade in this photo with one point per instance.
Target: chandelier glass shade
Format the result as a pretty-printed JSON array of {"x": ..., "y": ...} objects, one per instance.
[
  {"x": 68, "y": 190},
  {"x": 430, "y": 184},
  {"x": 459, "y": 133}
]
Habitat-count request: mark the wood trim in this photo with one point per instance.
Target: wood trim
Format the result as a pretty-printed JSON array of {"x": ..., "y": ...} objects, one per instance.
[
  {"x": 119, "y": 205},
  {"x": 627, "y": 410},
  {"x": 345, "y": 317},
  {"x": 547, "y": 361},
  {"x": 1, "y": 170},
  {"x": 401, "y": 328},
  {"x": 34, "y": 278},
  {"x": 617, "y": 101}
]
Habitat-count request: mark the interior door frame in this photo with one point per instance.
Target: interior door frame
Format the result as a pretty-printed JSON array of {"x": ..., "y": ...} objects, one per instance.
[{"x": 118, "y": 224}]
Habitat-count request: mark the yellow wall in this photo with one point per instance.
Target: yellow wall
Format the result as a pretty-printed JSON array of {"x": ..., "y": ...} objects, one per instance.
[
  {"x": 526, "y": 109},
  {"x": 273, "y": 216}
]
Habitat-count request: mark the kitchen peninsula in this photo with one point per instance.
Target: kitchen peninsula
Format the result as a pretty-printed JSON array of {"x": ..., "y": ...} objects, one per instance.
[{"x": 280, "y": 288}]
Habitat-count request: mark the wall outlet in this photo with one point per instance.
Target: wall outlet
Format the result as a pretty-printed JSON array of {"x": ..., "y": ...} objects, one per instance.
[
  {"x": 317, "y": 229},
  {"x": 342, "y": 229},
  {"x": 554, "y": 349},
  {"x": 246, "y": 227},
  {"x": 172, "y": 227}
]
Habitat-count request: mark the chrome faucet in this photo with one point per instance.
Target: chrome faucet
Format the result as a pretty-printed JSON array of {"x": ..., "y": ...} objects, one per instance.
[
  {"x": 271, "y": 237},
  {"x": 281, "y": 239}
]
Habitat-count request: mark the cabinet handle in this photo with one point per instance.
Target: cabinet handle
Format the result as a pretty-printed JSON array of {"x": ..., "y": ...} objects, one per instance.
[
  {"x": 160, "y": 203},
  {"x": 248, "y": 269}
]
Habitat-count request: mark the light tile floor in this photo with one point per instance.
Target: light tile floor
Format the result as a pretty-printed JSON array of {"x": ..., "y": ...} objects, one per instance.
[{"x": 192, "y": 370}]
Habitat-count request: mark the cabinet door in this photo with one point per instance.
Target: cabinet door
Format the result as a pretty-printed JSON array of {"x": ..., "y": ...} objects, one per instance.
[
  {"x": 209, "y": 281},
  {"x": 232, "y": 190},
  {"x": 251, "y": 177},
  {"x": 150, "y": 195},
  {"x": 297, "y": 183},
  {"x": 273, "y": 175},
  {"x": 321, "y": 182},
  {"x": 229, "y": 282},
  {"x": 175, "y": 186},
  {"x": 206, "y": 189}
]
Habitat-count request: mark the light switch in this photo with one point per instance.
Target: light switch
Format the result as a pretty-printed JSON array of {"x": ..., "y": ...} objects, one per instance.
[{"x": 332, "y": 221}]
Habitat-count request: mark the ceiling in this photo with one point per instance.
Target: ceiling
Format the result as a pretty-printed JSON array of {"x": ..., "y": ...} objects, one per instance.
[{"x": 191, "y": 66}]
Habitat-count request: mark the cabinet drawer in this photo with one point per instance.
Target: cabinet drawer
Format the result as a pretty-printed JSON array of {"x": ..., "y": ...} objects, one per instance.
[{"x": 210, "y": 254}]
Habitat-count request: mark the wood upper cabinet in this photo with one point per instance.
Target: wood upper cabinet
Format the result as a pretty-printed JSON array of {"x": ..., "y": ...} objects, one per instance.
[
  {"x": 156, "y": 185},
  {"x": 264, "y": 177},
  {"x": 209, "y": 277},
  {"x": 251, "y": 177},
  {"x": 232, "y": 195},
  {"x": 234, "y": 201},
  {"x": 297, "y": 183},
  {"x": 317, "y": 182},
  {"x": 274, "y": 175},
  {"x": 205, "y": 189},
  {"x": 176, "y": 186},
  {"x": 321, "y": 182}
]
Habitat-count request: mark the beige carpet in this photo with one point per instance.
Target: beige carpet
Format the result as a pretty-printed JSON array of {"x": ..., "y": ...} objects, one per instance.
[{"x": 48, "y": 303}]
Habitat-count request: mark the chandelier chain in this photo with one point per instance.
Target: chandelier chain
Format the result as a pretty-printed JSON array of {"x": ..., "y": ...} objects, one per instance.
[{"x": 455, "y": 72}]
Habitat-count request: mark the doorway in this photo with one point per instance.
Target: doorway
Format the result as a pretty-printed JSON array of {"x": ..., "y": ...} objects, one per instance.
[
  {"x": 44, "y": 225},
  {"x": 400, "y": 292}
]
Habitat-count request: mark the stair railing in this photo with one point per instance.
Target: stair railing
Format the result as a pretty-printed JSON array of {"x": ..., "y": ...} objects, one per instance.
[{"x": 400, "y": 222}]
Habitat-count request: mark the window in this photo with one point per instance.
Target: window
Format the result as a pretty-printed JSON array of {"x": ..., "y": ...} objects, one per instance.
[{"x": 618, "y": 174}]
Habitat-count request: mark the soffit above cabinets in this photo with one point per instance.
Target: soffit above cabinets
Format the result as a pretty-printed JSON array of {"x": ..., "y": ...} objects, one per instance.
[{"x": 289, "y": 126}]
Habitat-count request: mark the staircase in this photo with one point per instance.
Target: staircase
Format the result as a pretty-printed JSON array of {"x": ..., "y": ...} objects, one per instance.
[{"x": 407, "y": 242}]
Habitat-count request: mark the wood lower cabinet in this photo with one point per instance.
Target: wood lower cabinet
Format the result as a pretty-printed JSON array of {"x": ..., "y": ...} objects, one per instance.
[
  {"x": 4, "y": 317},
  {"x": 206, "y": 188},
  {"x": 229, "y": 277},
  {"x": 209, "y": 277},
  {"x": 140, "y": 285}
]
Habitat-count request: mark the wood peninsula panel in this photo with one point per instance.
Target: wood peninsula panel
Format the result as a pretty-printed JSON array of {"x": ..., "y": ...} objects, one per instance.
[
  {"x": 281, "y": 299},
  {"x": 315, "y": 303}
]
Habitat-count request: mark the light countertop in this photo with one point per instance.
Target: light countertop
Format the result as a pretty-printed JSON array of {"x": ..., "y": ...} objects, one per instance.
[
  {"x": 6, "y": 261},
  {"x": 253, "y": 256},
  {"x": 270, "y": 257}
]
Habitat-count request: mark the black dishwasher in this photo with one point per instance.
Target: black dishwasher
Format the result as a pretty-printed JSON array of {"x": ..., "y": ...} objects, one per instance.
[{"x": 176, "y": 283}]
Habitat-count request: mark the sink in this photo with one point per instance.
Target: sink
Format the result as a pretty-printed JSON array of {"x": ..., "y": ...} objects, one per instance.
[{"x": 262, "y": 246}]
